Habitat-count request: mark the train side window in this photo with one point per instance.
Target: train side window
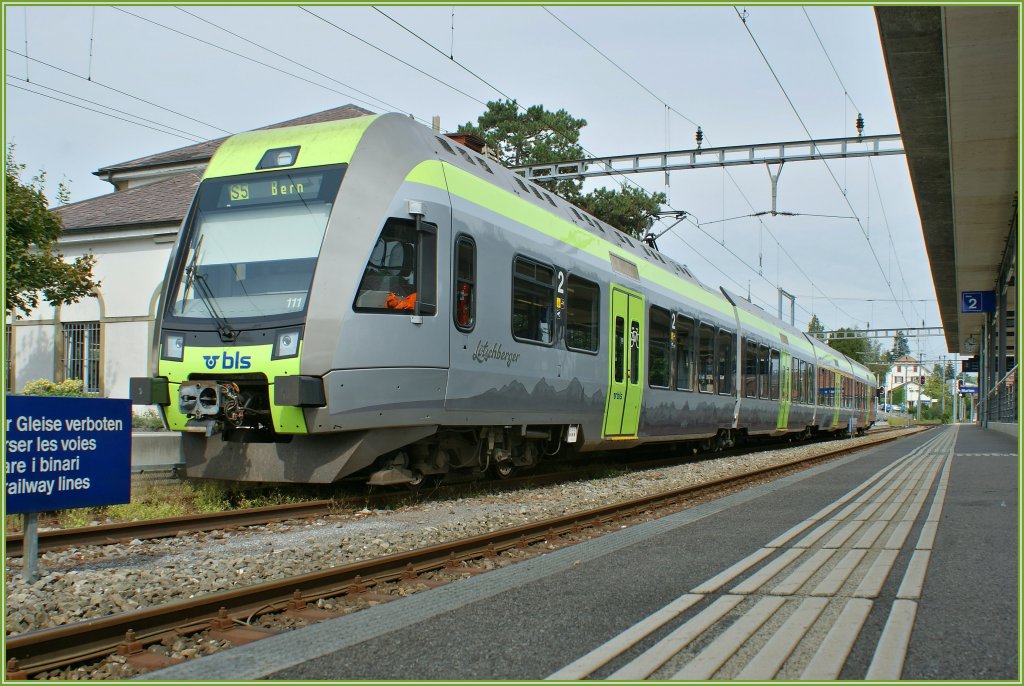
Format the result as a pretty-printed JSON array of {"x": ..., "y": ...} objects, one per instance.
[
  {"x": 533, "y": 301},
  {"x": 801, "y": 387},
  {"x": 762, "y": 371},
  {"x": 776, "y": 368},
  {"x": 726, "y": 361},
  {"x": 620, "y": 345},
  {"x": 794, "y": 379},
  {"x": 706, "y": 359},
  {"x": 401, "y": 261},
  {"x": 583, "y": 308},
  {"x": 634, "y": 351},
  {"x": 659, "y": 362},
  {"x": 464, "y": 311},
  {"x": 750, "y": 369},
  {"x": 809, "y": 384},
  {"x": 684, "y": 353}
]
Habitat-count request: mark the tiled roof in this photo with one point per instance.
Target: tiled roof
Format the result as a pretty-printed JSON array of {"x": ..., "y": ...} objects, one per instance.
[
  {"x": 202, "y": 152},
  {"x": 161, "y": 202}
]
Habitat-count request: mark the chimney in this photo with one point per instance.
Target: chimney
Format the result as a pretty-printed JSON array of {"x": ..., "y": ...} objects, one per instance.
[{"x": 470, "y": 140}]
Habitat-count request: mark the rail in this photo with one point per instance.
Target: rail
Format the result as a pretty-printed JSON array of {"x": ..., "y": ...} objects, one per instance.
[
  {"x": 1000, "y": 404},
  {"x": 46, "y": 649}
]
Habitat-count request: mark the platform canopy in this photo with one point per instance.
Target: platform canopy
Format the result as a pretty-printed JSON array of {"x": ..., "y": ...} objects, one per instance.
[{"x": 954, "y": 78}]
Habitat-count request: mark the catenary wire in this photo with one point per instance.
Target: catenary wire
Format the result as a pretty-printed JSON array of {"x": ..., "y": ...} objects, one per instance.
[
  {"x": 846, "y": 92},
  {"x": 874, "y": 176},
  {"x": 398, "y": 59},
  {"x": 117, "y": 90},
  {"x": 514, "y": 101},
  {"x": 614, "y": 64},
  {"x": 106, "y": 114},
  {"x": 827, "y": 167},
  {"x": 197, "y": 137},
  {"x": 386, "y": 105},
  {"x": 451, "y": 58},
  {"x": 246, "y": 57},
  {"x": 730, "y": 176}
]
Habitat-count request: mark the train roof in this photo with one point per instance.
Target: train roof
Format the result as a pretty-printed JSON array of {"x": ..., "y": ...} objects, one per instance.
[{"x": 240, "y": 153}]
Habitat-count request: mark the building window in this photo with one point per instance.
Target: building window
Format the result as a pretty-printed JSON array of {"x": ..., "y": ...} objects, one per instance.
[
  {"x": 533, "y": 301},
  {"x": 583, "y": 301},
  {"x": 658, "y": 350},
  {"x": 465, "y": 283},
  {"x": 82, "y": 354}
]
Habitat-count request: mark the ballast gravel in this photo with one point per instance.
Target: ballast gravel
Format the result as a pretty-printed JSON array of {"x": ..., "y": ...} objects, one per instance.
[{"x": 82, "y": 583}]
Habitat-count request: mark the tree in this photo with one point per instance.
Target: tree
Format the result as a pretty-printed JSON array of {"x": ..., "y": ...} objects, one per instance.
[
  {"x": 628, "y": 209},
  {"x": 538, "y": 136},
  {"x": 900, "y": 347},
  {"x": 816, "y": 328},
  {"x": 935, "y": 388},
  {"x": 850, "y": 342},
  {"x": 34, "y": 265},
  {"x": 858, "y": 348}
]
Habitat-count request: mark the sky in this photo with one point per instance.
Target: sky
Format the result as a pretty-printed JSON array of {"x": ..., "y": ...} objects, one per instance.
[{"x": 112, "y": 84}]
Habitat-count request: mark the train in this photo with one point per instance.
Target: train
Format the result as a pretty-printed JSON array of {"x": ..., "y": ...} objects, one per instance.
[{"x": 369, "y": 298}]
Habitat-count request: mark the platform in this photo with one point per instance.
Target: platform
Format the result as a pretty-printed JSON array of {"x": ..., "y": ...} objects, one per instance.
[{"x": 897, "y": 562}]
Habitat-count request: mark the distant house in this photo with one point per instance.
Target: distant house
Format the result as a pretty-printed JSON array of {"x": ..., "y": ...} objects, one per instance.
[
  {"x": 107, "y": 339},
  {"x": 908, "y": 373}
]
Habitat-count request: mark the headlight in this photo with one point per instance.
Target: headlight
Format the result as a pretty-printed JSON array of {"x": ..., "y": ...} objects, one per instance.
[
  {"x": 287, "y": 344},
  {"x": 174, "y": 346}
]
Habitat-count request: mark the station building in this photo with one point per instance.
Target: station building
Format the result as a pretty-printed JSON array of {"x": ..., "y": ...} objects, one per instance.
[{"x": 106, "y": 339}]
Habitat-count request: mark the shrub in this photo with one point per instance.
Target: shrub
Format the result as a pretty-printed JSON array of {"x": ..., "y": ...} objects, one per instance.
[
  {"x": 68, "y": 388},
  {"x": 147, "y": 420}
]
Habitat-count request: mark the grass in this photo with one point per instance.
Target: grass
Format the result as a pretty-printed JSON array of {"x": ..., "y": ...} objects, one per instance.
[{"x": 901, "y": 421}]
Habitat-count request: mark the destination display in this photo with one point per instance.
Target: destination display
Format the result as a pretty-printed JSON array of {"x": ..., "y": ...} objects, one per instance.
[
  {"x": 276, "y": 188},
  {"x": 63, "y": 453}
]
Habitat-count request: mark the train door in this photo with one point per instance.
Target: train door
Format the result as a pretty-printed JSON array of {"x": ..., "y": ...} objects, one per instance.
[
  {"x": 625, "y": 360},
  {"x": 785, "y": 395}
]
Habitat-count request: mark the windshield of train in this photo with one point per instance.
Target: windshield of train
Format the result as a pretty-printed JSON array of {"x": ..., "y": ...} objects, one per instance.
[{"x": 252, "y": 244}]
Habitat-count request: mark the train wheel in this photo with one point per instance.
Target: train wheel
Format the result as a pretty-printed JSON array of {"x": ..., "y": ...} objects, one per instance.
[
  {"x": 418, "y": 480},
  {"x": 504, "y": 469}
]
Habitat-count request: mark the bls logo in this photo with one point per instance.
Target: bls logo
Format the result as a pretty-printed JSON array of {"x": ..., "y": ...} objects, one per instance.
[{"x": 236, "y": 361}]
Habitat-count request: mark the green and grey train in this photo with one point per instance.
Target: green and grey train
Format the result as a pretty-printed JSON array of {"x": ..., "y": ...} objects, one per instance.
[{"x": 367, "y": 297}]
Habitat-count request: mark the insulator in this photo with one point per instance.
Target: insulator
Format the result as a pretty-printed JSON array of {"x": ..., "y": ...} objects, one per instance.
[
  {"x": 700, "y": 137},
  {"x": 860, "y": 124}
]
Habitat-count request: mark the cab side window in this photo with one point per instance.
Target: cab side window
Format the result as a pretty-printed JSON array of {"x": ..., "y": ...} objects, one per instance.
[
  {"x": 392, "y": 280},
  {"x": 464, "y": 310}
]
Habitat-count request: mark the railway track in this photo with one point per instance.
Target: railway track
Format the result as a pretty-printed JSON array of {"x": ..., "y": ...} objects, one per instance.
[
  {"x": 228, "y": 614},
  {"x": 121, "y": 532}
]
